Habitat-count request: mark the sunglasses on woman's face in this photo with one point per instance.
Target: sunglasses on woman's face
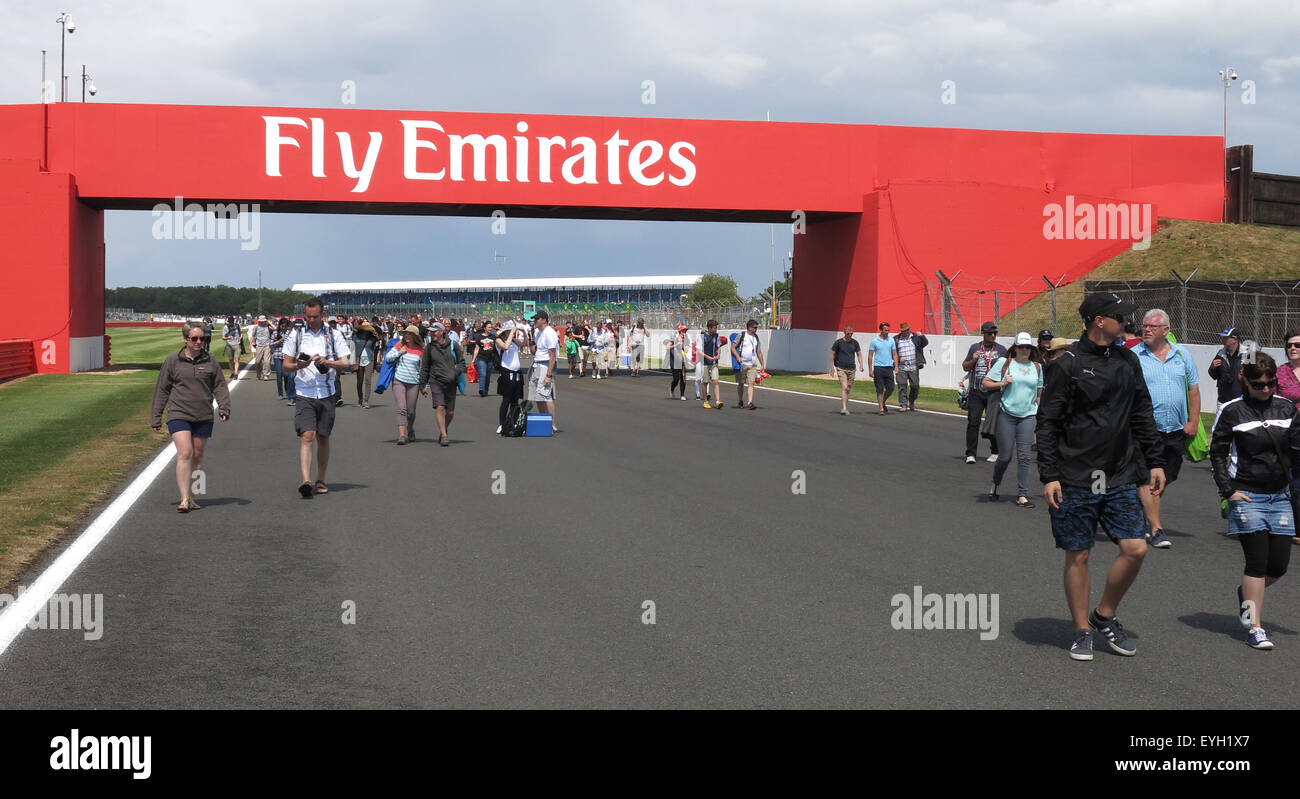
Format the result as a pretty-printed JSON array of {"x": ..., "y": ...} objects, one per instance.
[
  {"x": 1260, "y": 385},
  {"x": 1292, "y": 344}
]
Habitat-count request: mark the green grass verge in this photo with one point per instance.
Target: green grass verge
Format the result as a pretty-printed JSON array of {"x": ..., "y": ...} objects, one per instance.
[{"x": 68, "y": 441}]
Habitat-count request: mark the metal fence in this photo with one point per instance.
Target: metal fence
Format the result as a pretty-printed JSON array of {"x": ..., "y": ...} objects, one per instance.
[
  {"x": 959, "y": 309},
  {"x": 1200, "y": 309}
]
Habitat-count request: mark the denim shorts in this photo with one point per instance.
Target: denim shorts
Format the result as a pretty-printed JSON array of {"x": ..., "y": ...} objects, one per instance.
[
  {"x": 1265, "y": 512},
  {"x": 1118, "y": 511}
]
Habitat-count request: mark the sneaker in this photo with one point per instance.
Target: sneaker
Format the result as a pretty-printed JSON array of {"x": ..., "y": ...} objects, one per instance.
[
  {"x": 683, "y": 398},
  {"x": 1243, "y": 612},
  {"x": 1081, "y": 649},
  {"x": 401, "y": 440},
  {"x": 970, "y": 458},
  {"x": 717, "y": 404},
  {"x": 843, "y": 412},
  {"x": 1114, "y": 634},
  {"x": 498, "y": 429},
  {"x": 1159, "y": 540},
  {"x": 707, "y": 405},
  {"x": 1258, "y": 639},
  {"x": 992, "y": 458},
  {"x": 443, "y": 441}
]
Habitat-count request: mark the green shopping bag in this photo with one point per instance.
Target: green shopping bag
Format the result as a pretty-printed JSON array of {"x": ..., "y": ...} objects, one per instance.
[{"x": 1198, "y": 446}]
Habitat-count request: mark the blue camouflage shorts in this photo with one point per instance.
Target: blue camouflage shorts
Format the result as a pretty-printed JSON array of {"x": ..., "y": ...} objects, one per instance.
[{"x": 1118, "y": 511}]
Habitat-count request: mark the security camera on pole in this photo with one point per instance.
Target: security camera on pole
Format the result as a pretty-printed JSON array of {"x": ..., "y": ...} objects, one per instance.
[
  {"x": 1227, "y": 75},
  {"x": 66, "y": 26}
]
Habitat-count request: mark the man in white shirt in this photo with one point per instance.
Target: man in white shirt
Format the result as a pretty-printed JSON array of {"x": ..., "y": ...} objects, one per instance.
[
  {"x": 314, "y": 354},
  {"x": 749, "y": 353},
  {"x": 541, "y": 383}
]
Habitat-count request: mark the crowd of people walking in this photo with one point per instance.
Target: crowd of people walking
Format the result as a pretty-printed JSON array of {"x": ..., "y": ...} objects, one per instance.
[{"x": 1111, "y": 416}]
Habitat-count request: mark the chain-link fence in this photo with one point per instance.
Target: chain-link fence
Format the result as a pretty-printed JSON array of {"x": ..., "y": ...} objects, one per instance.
[
  {"x": 1200, "y": 309},
  {"x": 958, "y": 307}
]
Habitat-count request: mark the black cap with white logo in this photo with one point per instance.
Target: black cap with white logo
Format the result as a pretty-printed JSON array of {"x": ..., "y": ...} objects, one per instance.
[{"x": 1105, "y": 304}]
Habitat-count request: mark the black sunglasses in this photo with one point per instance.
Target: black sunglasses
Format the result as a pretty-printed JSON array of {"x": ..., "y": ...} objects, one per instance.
[
  {"x": 1260, "y": 385},
  {"x": 194, "y": 338},
  {"x": 1291, "y": 344}
]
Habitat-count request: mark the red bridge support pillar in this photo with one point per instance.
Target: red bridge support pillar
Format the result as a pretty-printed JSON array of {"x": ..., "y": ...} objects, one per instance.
[{"x": 53, "y": 268}]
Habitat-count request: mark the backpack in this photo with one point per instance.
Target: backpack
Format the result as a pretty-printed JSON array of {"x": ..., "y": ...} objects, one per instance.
[{"x": 516, "y": 424}]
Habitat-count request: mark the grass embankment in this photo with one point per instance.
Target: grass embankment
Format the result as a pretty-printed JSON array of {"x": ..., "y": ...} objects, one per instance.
[
  {"x": 1214, "y": 250},
  {"x": 68, "y": 441}
]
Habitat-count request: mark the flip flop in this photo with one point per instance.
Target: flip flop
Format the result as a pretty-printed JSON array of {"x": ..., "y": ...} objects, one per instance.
[
  {"x": 182, "y": 508},
  {"x": 305, "y": 490},
  {"x": 194, "y": 505},
  {"x": 321, "y": 488}
]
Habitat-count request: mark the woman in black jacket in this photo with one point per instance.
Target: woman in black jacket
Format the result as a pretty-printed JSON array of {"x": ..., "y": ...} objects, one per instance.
[{"x": 1261, "y": 433}]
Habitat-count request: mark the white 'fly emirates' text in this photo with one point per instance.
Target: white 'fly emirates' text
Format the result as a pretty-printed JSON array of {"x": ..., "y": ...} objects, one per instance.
[{"x": 524, "y": 159}]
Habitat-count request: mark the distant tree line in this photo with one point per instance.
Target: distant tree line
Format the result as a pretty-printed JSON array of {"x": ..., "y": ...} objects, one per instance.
[{"x": 203, "y": 300}]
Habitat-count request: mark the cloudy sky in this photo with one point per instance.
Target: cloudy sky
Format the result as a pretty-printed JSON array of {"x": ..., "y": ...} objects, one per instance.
[{"x": 1132, "y": 66}]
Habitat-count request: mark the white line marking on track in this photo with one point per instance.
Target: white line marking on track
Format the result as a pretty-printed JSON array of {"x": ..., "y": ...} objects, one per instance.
[{"x": 25, "y": 608}]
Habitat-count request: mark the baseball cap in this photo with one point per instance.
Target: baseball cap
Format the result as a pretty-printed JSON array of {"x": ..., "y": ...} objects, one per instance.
[
  {"x": 1023, "y": 339},
  {"x": 1230, "y": 332},
  {"x": 989, "y": 327},
  {"x": 1104, "y": 304},
  {"x": 681, "y": 327},
  {"x": 437, "y": 326},
  {"x": 1045, "y": 333}
]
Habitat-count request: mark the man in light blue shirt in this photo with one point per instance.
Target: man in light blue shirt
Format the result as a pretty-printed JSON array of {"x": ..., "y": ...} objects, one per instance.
[
  {"x": 884, "y": 360},
  {"x": 1172, "y": 380}
]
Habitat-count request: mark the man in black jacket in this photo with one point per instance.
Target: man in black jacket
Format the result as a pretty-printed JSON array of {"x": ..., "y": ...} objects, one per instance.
[
  {"x": 1094, "y": 416},
  {"x": 440, "y": 368},
  {"x": 1226, "y": 367}
]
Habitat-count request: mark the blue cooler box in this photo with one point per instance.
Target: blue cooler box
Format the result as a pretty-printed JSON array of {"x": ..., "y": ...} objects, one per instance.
[{"x": 539, "y": 424}]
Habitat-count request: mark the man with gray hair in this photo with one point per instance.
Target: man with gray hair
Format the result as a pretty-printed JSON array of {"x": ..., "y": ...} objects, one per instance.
[{"x": 1172, "y": 381}]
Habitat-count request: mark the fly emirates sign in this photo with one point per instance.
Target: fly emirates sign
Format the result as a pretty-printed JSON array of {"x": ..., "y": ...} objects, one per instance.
[{"x": 431, "y": 152}]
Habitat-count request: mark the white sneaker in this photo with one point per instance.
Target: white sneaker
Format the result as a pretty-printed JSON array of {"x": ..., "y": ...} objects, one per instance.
[
  {"x": 970, "y": 458},
  {"x": 992, "y": 459},
  {"x": 683, "y": 399},
  {"x": 498, "y": 429}
]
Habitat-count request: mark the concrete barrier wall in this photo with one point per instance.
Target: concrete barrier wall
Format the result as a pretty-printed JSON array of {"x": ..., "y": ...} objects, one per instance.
[{"x": 809, "y": 351}]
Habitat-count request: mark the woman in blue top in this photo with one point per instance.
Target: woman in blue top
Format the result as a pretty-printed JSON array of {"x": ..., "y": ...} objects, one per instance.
[{"x": 1020, "y": 377}]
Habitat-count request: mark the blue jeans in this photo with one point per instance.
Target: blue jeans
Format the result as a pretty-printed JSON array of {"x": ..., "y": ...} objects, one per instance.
[
  {"x": 484, "y": 374},
  {"x": 283, "y": 380},
  {"x": 1016, "y": 430}
]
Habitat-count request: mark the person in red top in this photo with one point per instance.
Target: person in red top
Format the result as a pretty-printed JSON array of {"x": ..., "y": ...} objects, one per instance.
[
  {"x": 1288, "y": 387},
  {"x": 1131, "y": 337}
]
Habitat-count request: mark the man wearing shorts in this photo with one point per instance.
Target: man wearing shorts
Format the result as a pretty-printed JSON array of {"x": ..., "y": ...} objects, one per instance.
[
  {"x": 1095, "y": 427},
  {"x": 440, "y": 370},
  {"x": 709, "y": 350},
  {"x": 541, "y": 382},
  {"x": 1172, "y": 380},
  {"x": 884, "y": 360},
  {"x": 749, "y": 353},
  {"x": 843, "y": 366},
  {"x": 314, "y": 354}
]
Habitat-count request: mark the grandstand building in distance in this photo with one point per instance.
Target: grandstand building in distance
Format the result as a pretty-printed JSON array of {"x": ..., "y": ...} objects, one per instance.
[{"x": 475, "y": 298}]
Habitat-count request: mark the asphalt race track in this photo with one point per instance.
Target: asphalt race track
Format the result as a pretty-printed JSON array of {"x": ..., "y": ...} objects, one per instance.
[{"x": 534, "y": 598}]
